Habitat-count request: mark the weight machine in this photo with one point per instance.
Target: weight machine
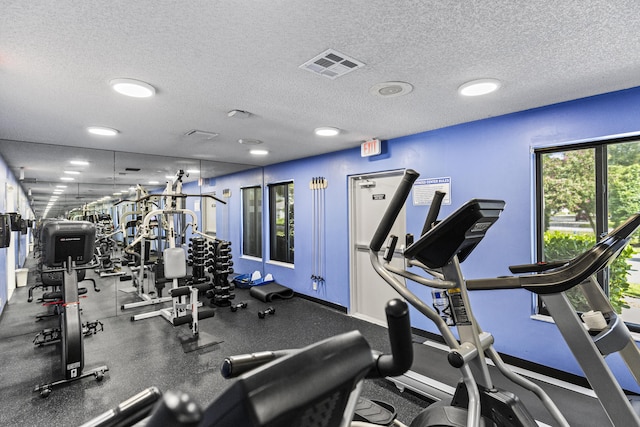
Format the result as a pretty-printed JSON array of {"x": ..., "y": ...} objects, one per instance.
[{"x": 171, "y": 217}]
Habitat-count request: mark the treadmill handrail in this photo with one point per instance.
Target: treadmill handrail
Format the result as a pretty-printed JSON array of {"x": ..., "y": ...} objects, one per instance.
[{"x": 574, "y": 271}]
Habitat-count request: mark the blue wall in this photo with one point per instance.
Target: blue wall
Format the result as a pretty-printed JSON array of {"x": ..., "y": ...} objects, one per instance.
[
  {"x": 490, "y": 158},
  {"x": 20, "y": 241},
  {"x": 3, "y": 252}
]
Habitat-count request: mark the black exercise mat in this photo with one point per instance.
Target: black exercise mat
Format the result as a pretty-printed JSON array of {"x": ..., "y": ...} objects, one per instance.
[{"x": 271, "y": 291}]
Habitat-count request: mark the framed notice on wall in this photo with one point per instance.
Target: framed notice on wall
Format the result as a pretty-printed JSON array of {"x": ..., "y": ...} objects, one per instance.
[{"x": 424, "y": 189}]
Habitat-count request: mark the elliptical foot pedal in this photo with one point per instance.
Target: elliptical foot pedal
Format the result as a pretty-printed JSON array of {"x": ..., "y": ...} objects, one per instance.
[{"x": 374, "y": 412}]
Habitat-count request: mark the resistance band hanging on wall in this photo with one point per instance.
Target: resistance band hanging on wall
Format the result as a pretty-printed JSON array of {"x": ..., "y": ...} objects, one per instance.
[{"x": 318, "y": 185}]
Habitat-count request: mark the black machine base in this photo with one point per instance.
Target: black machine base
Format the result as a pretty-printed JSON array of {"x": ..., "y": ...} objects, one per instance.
[{"x": 46, "y": 389}]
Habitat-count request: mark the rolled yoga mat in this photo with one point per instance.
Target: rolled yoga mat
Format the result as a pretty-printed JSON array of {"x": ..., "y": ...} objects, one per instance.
[{"x": 271, "y": 291}]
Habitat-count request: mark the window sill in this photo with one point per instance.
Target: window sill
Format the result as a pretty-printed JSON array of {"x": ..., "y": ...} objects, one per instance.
[
  {"x": 251, "y": 258},
  {"x": 281, "y": 264}
]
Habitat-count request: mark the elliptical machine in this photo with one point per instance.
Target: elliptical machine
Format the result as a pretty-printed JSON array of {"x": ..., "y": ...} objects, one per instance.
[{"x": 439, "y": 252}]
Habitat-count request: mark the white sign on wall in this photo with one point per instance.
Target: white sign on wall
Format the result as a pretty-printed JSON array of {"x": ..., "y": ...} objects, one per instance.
[{"x": 424, "y": 190}]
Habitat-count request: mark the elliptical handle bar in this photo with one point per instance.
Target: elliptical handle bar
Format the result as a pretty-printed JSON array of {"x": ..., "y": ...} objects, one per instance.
[
  {"x": 385, "y": 365},
  {"x": 401, "y": 357},
  {"x": 396, "y": 204},
  {"x": 234, "y": 366},
  {"x": 434, "y": 210}
]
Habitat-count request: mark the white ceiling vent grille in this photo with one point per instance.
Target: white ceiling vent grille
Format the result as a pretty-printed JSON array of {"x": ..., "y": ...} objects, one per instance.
[
  {"x": 201, "y": 134},
  {"x": 332, "y": 64}
]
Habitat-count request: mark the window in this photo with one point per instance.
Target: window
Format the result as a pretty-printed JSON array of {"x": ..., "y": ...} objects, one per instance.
[
  {"x": 252, "y": 221},
  {"x": 584, "y": 192},
  {"x": 281, "y": 222}
]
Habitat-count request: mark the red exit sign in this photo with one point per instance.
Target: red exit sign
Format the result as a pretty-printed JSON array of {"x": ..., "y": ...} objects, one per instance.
[{"x": 370, "y": 148}]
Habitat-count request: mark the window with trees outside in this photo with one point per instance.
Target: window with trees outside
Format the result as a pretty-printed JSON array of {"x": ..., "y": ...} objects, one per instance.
[
  {"x": 583, "y": 192},
  {"x": 252, "y": 221},
  {"x": 281, "y": 222}
]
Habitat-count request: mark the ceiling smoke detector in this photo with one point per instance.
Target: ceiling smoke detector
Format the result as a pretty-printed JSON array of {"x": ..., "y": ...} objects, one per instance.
[
  {"x": 331, "y": 64},
  {"x": 391, "y": 89}
]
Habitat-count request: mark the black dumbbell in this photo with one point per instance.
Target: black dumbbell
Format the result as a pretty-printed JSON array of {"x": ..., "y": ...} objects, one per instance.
[
  {"x": 270, "y": 310},
  {"x": 235, "y": 307}
]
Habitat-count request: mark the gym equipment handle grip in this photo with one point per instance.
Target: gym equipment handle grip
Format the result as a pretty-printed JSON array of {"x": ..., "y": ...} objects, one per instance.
[
  {"x": 128, "y": 412},
  {"x": 235, "y": 366},
  {"x": 434, "y": 210},
  {"x": 390, "y": 215},
  {"x": 536, "y": 268},
  {"x": 401, "y": 357}
]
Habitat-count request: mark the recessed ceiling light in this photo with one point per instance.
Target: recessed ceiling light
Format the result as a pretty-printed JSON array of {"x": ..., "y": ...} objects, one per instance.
[
  {"x": 133, "y": 88},
  {"x": 79, "y": 162},
  {"x": 193, "y": 171},
  {"x": 61, "y": 186},
  {"x": 72, "y": 172},
  {"x": 66, "y": 178},
  {"x": 154, "y": 182},
  {"x": 102, "y": 131},
  {"x": 259, "y": 152},
  {"x": 390, "y": 89},
  {"x": 479, "y": 87},
  {"x": 326, "y": 131}
]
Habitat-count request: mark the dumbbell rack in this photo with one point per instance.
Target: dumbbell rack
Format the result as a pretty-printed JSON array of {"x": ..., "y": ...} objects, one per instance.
[
  {"x": 220, "y": 265},
  {"x": 197, "y": 260}
]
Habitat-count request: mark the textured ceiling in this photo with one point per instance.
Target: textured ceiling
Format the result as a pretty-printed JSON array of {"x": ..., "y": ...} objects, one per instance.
[{"x": 206, "y": 58}]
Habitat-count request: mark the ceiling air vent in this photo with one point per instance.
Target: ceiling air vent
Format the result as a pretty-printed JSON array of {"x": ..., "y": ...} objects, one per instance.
[
  {"x": 331, "y": 64},
  {"x": 201, "y": 134},
  {"x": 132, "y": 169}
]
